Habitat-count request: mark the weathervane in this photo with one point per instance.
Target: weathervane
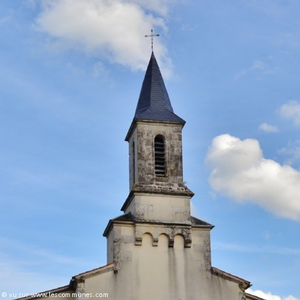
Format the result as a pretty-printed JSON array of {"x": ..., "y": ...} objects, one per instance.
[{"x": 152, "y": 35}]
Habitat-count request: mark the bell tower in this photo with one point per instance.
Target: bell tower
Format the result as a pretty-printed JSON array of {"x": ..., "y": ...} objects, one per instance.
[
  {"x": 155, "y": 155},
  {"x": 157, "y": 234}
]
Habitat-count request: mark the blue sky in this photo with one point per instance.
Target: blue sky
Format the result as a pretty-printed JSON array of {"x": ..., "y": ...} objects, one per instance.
[{"x": 70, "y": 76}]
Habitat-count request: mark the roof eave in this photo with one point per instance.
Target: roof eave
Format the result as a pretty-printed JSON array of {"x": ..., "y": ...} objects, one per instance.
[
  {"x": 243, "y": 283},
  {"x": 136, "y": 120},
  {"x": 47, "y": 293}
]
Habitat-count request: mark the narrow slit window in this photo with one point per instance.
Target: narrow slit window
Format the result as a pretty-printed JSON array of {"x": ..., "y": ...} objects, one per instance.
[
  {"x": 133, "y": 162},
  {"x": 160, "y": 165}
]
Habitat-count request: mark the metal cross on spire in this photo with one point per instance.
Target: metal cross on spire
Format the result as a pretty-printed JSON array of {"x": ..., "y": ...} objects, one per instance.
[{"x": 152, "y": 35}]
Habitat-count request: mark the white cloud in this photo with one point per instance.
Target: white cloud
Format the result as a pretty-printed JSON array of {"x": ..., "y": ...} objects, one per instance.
[
  {"x": 291, "y": 110},
  {"x": 258, "y": 65},
  {"x": 159, "y": 6},
  {"x": 234, "y": 247},
  {"x": 113, "y": 30},
  {"x": 269, "y": 296},
  {"x": 267, "y": 127},
  {"x": 292, "y": 151},
  {"x": 258, "y": 68},
  {"x": 240, "y": 171}
]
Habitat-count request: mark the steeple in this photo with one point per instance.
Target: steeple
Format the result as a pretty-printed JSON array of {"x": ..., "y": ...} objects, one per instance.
[
  {"x": 158, "y": 203},
  {"x": 154, "y": 102},
  {"x": 155, "y": 140}
]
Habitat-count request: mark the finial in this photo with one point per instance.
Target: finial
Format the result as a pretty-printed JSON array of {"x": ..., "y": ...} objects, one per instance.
[{"x": 152, "y": 35}]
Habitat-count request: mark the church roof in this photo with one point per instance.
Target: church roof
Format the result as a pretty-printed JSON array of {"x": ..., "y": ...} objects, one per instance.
[
  {"x": 154, "y": 102},
  {"x": 220, "y": 273},
  {"x": 198, "y": 222}
]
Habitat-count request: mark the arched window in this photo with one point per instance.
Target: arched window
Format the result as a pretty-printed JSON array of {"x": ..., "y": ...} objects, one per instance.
[{"x": 159, "y": 145}]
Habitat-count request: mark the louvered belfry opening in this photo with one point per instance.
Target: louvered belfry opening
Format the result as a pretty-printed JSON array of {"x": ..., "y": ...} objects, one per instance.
[{"x": 160, "y": 167}]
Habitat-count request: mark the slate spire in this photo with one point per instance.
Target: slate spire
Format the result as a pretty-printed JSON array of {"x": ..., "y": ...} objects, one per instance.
[{"x": 154, "y": 102}]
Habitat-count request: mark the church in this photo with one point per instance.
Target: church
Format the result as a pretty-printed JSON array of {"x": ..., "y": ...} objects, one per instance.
[{"x": 155, "y": 249}]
